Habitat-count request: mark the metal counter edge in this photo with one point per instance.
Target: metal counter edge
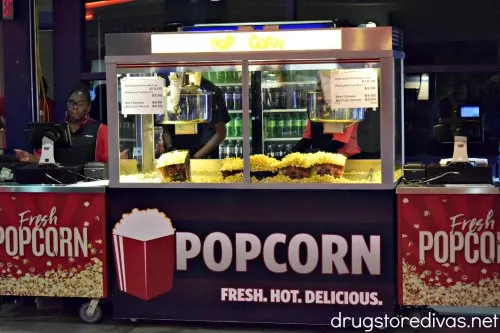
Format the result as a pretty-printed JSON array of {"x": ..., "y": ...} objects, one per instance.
[
  {"x": 256, "y": 186},
  {"x": 16, "y": 188},
  {"x": 447, "y": 189}
]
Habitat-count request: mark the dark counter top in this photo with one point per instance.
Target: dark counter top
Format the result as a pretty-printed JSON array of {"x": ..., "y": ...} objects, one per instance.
[{"x": 447, "y": 189}]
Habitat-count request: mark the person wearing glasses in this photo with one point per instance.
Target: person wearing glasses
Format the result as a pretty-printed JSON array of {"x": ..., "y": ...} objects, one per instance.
[{"x": 89, "y": 137}]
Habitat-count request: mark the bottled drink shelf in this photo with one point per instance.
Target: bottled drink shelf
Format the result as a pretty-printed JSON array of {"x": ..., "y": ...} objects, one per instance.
[
  {"x": 234, "y": 138},
  {"x": 239, "y": 84},
  {"x": 284, "y": 110},
  {"x": 281, "y": 139},
  {"x": 235, "y": 111}
]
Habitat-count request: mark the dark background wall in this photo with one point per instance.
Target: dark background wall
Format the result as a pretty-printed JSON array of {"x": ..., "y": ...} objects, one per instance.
[
  {"x": 435, "y": 31},
  {"x": 456, "y": 42},
  {"x": 445, "y": 32}
]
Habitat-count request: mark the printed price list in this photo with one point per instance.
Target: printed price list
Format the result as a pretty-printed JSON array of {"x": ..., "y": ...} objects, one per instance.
[
  {"x": 355, "y": 88},
  {"x": 142, "y": 95}
]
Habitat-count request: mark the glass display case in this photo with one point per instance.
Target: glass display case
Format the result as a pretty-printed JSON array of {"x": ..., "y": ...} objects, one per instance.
[{"x": 255, "y": 118}]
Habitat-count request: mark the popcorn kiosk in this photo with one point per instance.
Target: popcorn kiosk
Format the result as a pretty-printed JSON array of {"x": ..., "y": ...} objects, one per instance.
[
  {"x": 449, "y": 243},
  {"x": 254, "y": 147},
  {"x": 53, "y": 228}
]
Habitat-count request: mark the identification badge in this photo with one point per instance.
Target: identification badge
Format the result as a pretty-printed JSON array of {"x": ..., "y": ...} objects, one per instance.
[
  {"x": 186, "y": 129},
  {"x": 333, "y": 128}
]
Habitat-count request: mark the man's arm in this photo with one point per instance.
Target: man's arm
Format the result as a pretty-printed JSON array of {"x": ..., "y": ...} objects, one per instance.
[
  {"x": 214, "y": 142},
  {"x": 220, "y": 118}
]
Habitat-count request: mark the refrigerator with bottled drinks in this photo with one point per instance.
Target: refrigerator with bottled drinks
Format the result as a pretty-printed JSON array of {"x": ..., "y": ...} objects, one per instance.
[{"x": 278, "y": 113}]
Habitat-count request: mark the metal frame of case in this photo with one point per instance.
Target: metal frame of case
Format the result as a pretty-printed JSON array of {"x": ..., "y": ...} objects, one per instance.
[{"x": 381, "y": 44}]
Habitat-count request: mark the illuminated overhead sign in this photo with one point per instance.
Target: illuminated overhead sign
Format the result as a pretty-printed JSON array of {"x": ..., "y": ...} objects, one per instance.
[{"x": 330, "y": 39}]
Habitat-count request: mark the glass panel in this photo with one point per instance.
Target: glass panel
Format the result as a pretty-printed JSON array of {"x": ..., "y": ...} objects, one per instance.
[
  {"x": 311, "y": 116},
  {"x": 398, "y": 118},
  {"x": 173, "y": 121}
]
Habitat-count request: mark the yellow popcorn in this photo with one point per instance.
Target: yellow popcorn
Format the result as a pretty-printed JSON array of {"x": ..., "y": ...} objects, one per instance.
[
  {"x": 238, "y": 178},
  {"x": 262, "y": 162},
  {"x": 232, "y": 164},
  {"x": 315, "y": 179},
  {"x": 296, "y": 160},
  {"x": 128, "y": 167},
  {"x": 417, "y": 292},
  {"x": 274, "y": 180},
  {"x": 328, "y": 158},
  {"x": 172, "y": 158}
]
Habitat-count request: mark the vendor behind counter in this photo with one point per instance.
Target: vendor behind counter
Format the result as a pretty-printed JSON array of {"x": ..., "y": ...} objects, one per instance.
[
  {"x": 204, "y": 144},
  {"x": 89, "y": 137}
]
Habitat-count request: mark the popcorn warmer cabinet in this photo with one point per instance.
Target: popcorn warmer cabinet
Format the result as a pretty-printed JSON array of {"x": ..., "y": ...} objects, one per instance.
[
  {"x": 276, "y": 87},
  {"x": 272, "y": 95}
]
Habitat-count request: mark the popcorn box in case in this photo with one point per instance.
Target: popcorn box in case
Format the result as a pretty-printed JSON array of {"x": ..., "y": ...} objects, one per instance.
[
  {"x": 144, "y": 248},
  {"x": 175, "y": 166}
]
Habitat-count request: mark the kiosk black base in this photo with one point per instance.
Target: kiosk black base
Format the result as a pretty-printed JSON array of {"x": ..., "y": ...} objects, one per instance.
[
  {"x": 34, "y": 174},
  {"x": 252, "y": 256},
  {"x": 460, "y": 174}
]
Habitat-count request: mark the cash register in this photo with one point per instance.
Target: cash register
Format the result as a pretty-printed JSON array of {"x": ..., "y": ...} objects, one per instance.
[
  {"x": 50, "y": 139},
  {"x": 466, "y": 128}
]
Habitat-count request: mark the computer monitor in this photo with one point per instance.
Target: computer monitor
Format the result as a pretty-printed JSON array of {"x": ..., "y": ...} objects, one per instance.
[
  {"x": 58, "y": 133},
  {"x": 470, "y": 112},
  {"x": 49, "y": 138}
]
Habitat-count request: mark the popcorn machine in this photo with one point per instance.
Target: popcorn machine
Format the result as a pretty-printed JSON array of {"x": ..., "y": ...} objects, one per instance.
[
  {"x": 267, "y": 87},
  {"x": 225, "y": 110}
]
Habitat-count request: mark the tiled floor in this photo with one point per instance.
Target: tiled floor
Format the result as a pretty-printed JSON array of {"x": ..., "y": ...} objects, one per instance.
[
  {"x": 48, "y": 327},
  {"x": 22, "y": 318},
  {"x": 18, "y": 327}
]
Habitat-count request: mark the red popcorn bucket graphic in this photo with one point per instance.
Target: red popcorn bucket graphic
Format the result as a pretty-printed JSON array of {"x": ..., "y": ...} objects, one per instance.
[{"x": 144, "y": 248}]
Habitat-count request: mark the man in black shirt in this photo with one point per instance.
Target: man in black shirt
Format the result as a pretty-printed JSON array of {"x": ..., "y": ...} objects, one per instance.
[{"x": 210, "y": 135}]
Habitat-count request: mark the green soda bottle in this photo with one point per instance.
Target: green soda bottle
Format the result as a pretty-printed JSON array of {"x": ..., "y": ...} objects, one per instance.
[
  {"x": 271, "y": 128},
  {"x": 230, "y": 129},
  {"x": 238, "y": 129}
]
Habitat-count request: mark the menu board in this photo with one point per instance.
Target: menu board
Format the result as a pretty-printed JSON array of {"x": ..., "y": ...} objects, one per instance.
[
  {"x": 142, "y": 95},
  {"x": 354, "y": 88}
]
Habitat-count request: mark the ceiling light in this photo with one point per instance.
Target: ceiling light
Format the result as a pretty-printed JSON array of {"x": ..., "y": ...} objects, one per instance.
[{"x": 105, "y": 3}]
